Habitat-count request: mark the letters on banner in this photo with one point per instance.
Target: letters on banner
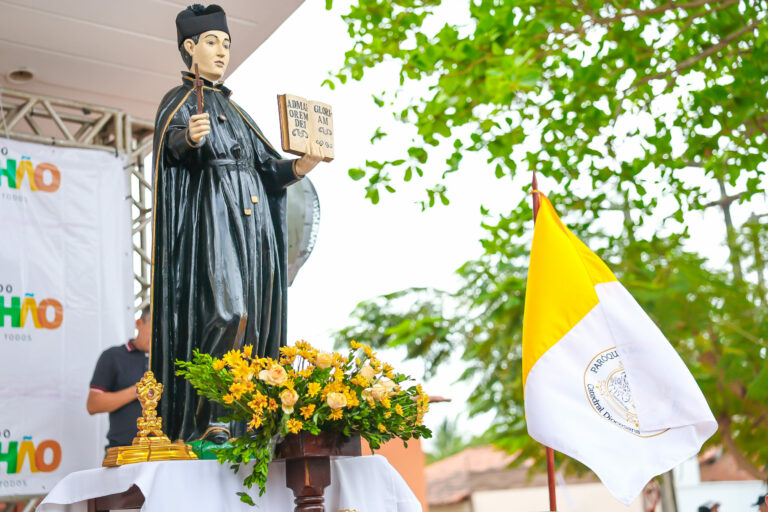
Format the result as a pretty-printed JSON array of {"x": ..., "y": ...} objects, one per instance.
[{"x": 65, "y": 295}]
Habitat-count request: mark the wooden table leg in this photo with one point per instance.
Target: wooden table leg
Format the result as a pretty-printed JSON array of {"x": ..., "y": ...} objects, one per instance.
[
  {"x": 130, "y": 499},
  {"x": 308, "y": 477}
]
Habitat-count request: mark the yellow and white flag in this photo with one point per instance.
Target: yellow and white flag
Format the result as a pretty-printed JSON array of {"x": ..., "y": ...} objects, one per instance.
[{"x": 602, "y": 383}]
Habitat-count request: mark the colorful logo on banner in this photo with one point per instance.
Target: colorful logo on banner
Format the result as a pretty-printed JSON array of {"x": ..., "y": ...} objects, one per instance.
[
  {"x": 19, "y": 311},
  {"x": 25, "y": 456},
  {"x": 43, "y": 177}
]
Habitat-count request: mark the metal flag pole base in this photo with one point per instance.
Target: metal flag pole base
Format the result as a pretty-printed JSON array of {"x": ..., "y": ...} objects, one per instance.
[{"x": 150, "y": 443}]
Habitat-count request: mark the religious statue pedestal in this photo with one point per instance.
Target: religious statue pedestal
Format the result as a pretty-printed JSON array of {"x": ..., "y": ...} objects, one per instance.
[{"x": 308, "y": 467}]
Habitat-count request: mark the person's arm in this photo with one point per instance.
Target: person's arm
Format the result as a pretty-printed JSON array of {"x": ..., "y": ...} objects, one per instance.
[
  {"x": 276, "y": 173},
  {"x": 106, "y": 401},
  {"x": 182, "y": 137}
]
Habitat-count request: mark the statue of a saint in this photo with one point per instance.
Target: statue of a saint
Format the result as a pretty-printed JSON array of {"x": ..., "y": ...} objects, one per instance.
[{"x": 219, "y": 252}]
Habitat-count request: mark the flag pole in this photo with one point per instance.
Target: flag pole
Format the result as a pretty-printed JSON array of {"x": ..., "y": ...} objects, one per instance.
[{"x": 550, "y": 451}]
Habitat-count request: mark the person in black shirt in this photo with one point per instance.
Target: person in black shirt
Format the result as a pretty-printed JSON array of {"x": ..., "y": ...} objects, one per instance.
[{"x": 113, "y": 386}]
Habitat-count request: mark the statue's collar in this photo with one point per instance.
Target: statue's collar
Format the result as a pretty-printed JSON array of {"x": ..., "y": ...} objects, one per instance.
[{"x": 188, "y": 79}]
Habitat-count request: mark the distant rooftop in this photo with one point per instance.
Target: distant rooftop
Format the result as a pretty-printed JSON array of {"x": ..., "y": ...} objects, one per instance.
[{"x": 455, "y": 478}]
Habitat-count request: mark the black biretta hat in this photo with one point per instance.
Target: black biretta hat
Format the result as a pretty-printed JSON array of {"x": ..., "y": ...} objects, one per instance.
[{"x": 197, "y": 19}]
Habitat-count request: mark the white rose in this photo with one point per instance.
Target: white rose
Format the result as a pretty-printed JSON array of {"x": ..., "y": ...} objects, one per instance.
[
  {"x": 336, "y": 400},
  {"x": 367, "y": 372},
  {"x": 273, "y": 376},
  {"x": 323, "y": 360},
  {"x": 378, "y": 392},
  {"x": 288, "y": 398}
]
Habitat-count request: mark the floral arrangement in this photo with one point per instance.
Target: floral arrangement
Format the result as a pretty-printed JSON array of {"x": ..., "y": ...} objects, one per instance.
[{"x": 305, "y": 390}]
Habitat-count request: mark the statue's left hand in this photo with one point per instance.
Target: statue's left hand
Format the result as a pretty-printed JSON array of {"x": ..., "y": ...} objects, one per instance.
[{"x": 306, "y": 163}]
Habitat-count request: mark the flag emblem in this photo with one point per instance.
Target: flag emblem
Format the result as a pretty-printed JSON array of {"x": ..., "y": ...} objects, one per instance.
[{"x": 608, "y": 392}]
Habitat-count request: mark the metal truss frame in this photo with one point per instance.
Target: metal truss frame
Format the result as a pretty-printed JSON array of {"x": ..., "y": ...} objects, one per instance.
[{"x": 48, "y": 120}]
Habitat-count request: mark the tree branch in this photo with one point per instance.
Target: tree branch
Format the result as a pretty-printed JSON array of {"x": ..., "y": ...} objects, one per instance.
[
  {"x": 687, "y": 63},
  {"x": 640, "y": 14}
]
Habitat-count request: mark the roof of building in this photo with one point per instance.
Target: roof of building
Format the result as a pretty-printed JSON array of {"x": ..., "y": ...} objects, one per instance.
[
  {"x": 455, "y": 478},
  {"x": 482, "y": 468},
  {"x": 716, "y": 465},
  {"x": 116, "y": 54}
]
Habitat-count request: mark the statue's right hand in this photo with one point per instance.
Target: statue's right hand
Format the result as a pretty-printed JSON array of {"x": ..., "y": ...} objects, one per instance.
[{"x": 199, "y": 127}]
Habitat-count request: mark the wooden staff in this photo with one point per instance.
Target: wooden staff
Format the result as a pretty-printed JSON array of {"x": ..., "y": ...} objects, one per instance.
[
  {"x": 550, "y": 451},
  {"x": 199, "y": 90}
]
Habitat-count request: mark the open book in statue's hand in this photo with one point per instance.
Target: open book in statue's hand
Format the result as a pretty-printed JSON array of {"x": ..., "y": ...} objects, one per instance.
[{"x": 306, "y": 127}]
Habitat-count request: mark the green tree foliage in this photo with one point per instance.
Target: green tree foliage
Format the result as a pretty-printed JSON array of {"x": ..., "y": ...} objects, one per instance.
[{"x": 640, "y": 115}]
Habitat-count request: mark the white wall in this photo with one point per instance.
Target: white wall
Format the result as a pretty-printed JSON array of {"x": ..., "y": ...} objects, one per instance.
[{"x": 592, "y": 497}]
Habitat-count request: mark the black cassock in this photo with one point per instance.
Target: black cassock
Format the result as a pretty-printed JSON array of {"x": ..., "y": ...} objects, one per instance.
[{"x": 219, "y": 251}]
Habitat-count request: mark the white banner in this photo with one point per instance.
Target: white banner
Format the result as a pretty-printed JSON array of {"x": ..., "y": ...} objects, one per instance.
[{"x": 65, "y": 295}]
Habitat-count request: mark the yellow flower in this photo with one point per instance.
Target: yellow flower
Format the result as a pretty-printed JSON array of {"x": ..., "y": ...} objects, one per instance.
[
  {"x": 323, "y": 360},
  {"x": 308, "y": 355},
  {"x": 399, "y": 409},
  {"x": 219, "y": 364},
  {"x": 306, "y": 372},
  {"x": 303, "y": 345},
  {"x": 308, "y": 411},
  {"x": 388, "y": 414},
  {"x": 368, "y": 351},
  {"x": 288, "y": 355},
  {"x": 386, "y": 402},
  {"x": 232, "y": 357},
  {"x": 336, "y": 415},
  {"x": 294, "y": 426},
  {"x": 237, "y": 389},
  {"x": 313, "y": 389},
  {"x": 288, "y": 398},
  {"x": 336, "y": 401},
  {"x": 338, "y": 360},
  {"x": 228, "y": 399},
  {"x": 352, "y": 400},
  {"x": 258, "y": 402},
  {"x": 255, "y": 422},
  {"x": 274, "y": 376},
  {"x": 335, "y": 386},
  {"x": 247, "y": 350},
  {"x": 359, "y": 380},
  {"x": 241, "y": 371},
  {"x": 355, "y": 345},
  {"x": 382, "y": 428},
  {"x": 272, "y": 405}
]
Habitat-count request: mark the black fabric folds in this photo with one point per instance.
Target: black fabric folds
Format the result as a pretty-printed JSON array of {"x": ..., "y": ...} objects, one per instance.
[{"x": 219, "y": 278}]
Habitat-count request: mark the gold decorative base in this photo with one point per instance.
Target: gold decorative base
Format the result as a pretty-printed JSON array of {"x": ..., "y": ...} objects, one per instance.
[
  {"x": 146, "y": 449},
  {"x": 150, "y": 443}
]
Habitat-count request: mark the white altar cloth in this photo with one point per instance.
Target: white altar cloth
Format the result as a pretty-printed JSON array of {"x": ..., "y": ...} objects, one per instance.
[{"x": 364, "y": 484}]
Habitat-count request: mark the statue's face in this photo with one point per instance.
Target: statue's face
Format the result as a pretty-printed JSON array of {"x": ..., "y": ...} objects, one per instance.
[{"x": 211, "y": 54}]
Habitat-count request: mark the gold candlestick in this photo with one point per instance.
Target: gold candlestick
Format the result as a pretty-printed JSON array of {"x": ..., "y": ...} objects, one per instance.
[{"x": 150, "y": 443}]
